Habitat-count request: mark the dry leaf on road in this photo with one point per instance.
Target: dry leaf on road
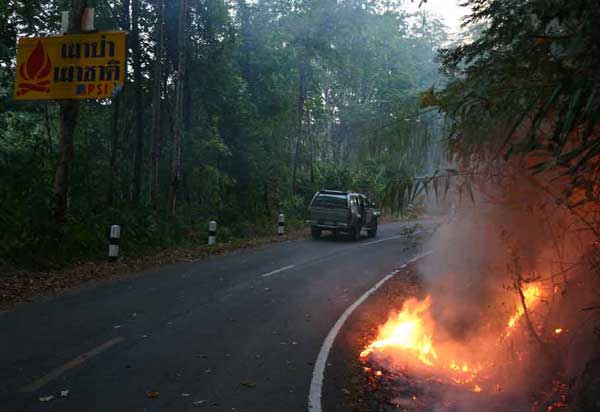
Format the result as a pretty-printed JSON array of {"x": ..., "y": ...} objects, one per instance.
[{"x": 248, "y": 383}]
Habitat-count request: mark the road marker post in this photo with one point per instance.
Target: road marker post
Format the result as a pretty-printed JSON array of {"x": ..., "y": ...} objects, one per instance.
[
  {"x": 281, "y": 225},
  {"x": 212, "y": 233},
  {"x": 113, "y": 243}
]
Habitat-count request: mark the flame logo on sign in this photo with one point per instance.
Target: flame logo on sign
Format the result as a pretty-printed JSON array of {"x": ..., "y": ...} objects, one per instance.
[{"x": 35, "y": 71}]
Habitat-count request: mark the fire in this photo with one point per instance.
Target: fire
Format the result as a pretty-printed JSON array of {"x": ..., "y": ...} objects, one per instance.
[
  {"x": 408, "y": 331},
  {"x": 531, "y": 293},
  {"x": 410, "y": 334},
  {"x": 456, "y": 367},
  {"x": 558, "y": 331}
]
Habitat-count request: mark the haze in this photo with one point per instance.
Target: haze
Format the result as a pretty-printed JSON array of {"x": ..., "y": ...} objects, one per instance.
[{"x": 449, "y": 10}]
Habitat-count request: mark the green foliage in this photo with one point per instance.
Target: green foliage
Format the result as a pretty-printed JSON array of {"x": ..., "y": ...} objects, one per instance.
[
  {"x": 528, "y": 77},
  {"x": 364, "y": 65}
]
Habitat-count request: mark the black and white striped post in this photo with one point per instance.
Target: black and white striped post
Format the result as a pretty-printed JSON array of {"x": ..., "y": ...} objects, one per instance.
[
  {"x": 212, "y": 233},
  {"x": 281, "y": 225},
  {"x": 113, "y": 243}
]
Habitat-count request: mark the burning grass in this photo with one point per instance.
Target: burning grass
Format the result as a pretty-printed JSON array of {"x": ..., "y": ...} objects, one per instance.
[{"x": 427, "y": 368}]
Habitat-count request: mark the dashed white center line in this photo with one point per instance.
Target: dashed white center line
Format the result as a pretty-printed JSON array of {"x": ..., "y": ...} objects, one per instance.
[
  {"x": 266, "y": 275},
  {"x": 276, "y": 271},
  {"x": 73, "y": 363}
]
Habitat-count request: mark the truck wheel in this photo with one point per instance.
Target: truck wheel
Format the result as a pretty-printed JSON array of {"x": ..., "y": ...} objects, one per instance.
[
  {"x": 372, "y": 232},
  {"x": 315, "y": 233},
  {"x": 356, "y": 233}
]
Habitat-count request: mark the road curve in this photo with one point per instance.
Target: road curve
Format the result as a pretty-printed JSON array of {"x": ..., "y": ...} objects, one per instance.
[{"x": 231, "y": 333}]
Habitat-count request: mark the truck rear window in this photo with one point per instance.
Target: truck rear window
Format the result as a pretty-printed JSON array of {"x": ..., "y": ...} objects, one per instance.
[{"x": 332, "y": 201}]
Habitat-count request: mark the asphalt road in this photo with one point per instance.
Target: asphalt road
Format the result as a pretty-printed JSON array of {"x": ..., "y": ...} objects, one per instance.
[{"x": 233, "y": 333}]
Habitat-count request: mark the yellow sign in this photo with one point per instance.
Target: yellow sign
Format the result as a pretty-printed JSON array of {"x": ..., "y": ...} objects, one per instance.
[{"x": 76, "y": 66}]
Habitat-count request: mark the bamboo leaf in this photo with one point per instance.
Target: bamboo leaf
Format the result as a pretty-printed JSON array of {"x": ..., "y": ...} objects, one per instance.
[
  {"x": 571, "y": 115},
  {"x": 541, "y": 114}
]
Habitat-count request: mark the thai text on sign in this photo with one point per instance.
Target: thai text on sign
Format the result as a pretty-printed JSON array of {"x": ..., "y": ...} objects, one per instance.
[{"x": 76, "y": 66}]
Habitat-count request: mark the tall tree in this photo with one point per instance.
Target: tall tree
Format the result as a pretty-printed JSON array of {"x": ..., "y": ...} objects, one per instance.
[
  {"x": 156, "y": 106},
  {"x": 179, "y": 109},
  {"x": 138, "y": 106},
  {"x": 302, "y": 67},
  {"x": 116, "y": 115}
]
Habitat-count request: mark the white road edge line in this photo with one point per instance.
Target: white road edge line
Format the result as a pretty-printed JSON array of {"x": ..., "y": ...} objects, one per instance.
[
  {"x": 276, "y": 271},
  {"x": 73, "y": 363},
  {"x": 316, "y": 383}
]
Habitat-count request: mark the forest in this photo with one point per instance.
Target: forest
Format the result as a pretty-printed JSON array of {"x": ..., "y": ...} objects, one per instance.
[{"x": 232, "y": 111}]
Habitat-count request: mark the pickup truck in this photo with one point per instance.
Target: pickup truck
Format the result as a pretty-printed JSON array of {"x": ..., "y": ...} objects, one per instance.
[{"x": 346, "y": 212}]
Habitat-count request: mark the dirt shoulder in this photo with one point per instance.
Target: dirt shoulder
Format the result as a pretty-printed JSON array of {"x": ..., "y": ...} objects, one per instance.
[{"x": 27, "y": 286}]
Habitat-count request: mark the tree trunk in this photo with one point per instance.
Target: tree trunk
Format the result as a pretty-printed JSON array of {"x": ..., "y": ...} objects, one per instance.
[
  {"x": 115, "y": 129},
  {"x": 330, "y": 107},
  {"x": 300, "y": 116},
  {"x": 179, "y": 103},
  {"x": 188, "y": 197},
  {"x": 138, "y": 107},
  {"x": 48, "y": 130},
  {"x": 311, "y": 142},
  {"x": 114, "y": 144},
  {"x": 156, "y": 108},
  {"x": 69, "y": 113}
]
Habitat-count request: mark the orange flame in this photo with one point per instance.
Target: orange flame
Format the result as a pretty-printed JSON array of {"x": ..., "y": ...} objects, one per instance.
[
  {"x": 34, "y": 71},
  {"x": 408, "y": 331},
  {"x": 411, "y": 331},
  {"x": 531, "y": 293}
]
